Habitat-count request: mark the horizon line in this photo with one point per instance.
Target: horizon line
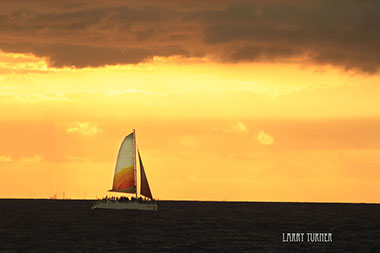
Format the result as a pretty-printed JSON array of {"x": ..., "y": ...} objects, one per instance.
[{"x": 231, "y": 201}]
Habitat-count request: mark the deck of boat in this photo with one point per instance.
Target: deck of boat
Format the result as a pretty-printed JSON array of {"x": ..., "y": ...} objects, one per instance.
[{"x": 133, "y": 205}]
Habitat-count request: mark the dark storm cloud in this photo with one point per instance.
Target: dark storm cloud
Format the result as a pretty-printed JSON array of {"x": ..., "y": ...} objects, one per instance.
[
  {"x": 95, "y": 33},
  {"x": 344, "y": 33}
]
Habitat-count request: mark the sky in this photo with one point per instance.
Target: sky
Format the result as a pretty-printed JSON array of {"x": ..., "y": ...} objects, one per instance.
[{"x": 231, "y": 100}]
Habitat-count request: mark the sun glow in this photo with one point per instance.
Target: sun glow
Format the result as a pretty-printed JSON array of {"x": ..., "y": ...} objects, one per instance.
[{"x": 206, "y": 130}]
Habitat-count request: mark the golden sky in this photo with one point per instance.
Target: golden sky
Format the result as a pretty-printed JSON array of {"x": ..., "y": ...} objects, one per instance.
[{"x": 230, "y": 101}]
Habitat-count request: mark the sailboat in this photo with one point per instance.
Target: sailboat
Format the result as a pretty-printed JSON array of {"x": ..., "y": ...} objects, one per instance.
[{"x": 125, "y": 180}]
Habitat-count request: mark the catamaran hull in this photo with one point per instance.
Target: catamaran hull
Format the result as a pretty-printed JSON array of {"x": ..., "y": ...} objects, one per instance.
[{"x": 125, "y": 205}]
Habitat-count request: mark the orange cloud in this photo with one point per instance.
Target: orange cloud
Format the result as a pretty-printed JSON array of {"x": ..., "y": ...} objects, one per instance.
[
  {"x": 5, "y": 159},
  {"x": 34, "y": 158},
  {"x": 264, "y": 138},
  {"x": 83, "y": 128}
]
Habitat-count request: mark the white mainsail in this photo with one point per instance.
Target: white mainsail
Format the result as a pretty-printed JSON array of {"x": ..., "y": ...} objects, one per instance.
[{"x": 125, "y": 172}]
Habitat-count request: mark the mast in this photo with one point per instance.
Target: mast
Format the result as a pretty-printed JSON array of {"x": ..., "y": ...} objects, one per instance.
[{"x": 134, "y": 150}]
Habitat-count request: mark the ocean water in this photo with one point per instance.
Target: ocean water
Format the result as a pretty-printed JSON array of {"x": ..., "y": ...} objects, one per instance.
[{"x": 185, "y": 226}]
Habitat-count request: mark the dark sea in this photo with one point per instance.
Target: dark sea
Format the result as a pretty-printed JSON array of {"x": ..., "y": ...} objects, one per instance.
[{"x": 186, "y": 226}]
